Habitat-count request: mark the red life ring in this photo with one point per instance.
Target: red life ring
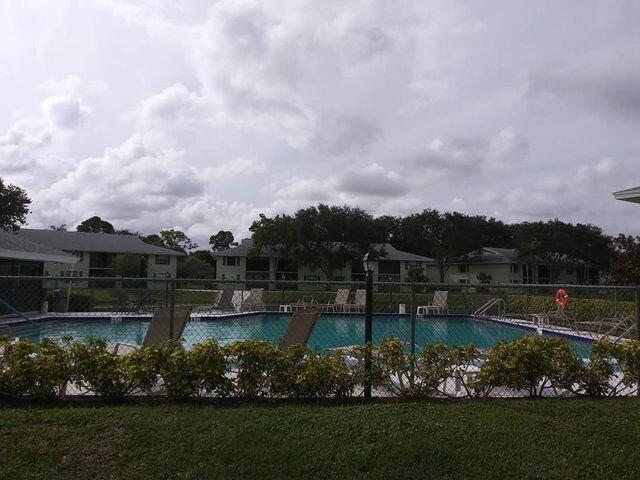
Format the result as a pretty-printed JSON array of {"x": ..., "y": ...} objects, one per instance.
[{"x": 562, "y": 298}]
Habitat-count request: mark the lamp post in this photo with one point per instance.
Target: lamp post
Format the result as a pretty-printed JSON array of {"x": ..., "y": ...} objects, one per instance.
[{"x": 368, "y": 324}]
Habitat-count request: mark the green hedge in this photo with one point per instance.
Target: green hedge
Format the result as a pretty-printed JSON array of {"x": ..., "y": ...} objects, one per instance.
[
  {"x": 582, "y": 309},
  {"x": 529, "y": 366}
]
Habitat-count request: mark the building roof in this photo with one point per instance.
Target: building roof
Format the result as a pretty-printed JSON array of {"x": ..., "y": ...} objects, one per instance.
[
  {"x": 94, "y": 242},
  {"x": 494, "y": 255},
  {"x": 628, "y": 195},
  {"x": 391, "y": 253},
  {"x": 16, "y": 247}
]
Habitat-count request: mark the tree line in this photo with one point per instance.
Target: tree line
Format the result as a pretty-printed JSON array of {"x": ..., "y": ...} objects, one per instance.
[{"x": 325, "y": 237}]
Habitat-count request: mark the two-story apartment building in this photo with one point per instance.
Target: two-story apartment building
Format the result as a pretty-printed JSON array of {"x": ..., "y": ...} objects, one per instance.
[
  {"x": 502, "y": 265},
  {"x": 20, "y": 257},
  {"x": 95, "y": 253},
  {"x": 238, "y": 263}
]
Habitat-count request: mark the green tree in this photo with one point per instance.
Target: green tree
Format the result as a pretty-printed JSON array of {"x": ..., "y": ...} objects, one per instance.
[
  {"x": 446, "y": 237},
  {"x": 559, "y": 245},
  {"x": 95, "y": 225},
  {"x": 14, "y": 206},
  {"x": 126, "y": 231},
  {"x": 177, "y": 240},
  {"x": 59, "y": 228},
  {"x": 625, "y": 265},
  {"x": 321, "y": 237},
  {"x": 128, "y": 265},
  {"x": 222, "y": 240},
  {"x": 194, "y": 267},
  {"x": 205, "y": 256},
  {"x": 154, "y": 239}
]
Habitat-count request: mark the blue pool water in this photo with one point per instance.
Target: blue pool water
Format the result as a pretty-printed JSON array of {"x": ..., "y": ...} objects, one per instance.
[{"x": 332, "y": 330}]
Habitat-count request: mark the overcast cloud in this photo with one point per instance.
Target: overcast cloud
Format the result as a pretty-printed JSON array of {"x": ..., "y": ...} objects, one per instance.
[{"x": 200, "y": 115}]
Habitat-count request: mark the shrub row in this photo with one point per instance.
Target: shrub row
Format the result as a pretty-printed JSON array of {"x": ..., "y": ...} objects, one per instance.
[
  {"x": 584, "y": 309},
  {"x": 529, "y": 366}
]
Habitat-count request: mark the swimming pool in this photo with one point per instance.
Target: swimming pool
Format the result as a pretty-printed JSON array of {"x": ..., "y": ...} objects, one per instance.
[{"x": 331, "y": 331}]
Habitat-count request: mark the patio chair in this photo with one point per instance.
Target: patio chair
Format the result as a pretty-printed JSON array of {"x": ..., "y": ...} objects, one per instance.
[
  {"x": 359, "y": 302},
  {"x": 158, "y": 331},
  {"x": 338, "y": 305},
  {"x": 439, "y": 305},
  {"x": 223, "y": 303},
  {"x": 254, "y": 302},
  {"x": 300, "y": 328}
]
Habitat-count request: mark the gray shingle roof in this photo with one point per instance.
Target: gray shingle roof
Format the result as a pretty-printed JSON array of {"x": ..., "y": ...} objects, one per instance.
[
  {"x": 391, "y": 253},
  {"x": 17, "y": 247},
  {"x": 94, "y": 242}
]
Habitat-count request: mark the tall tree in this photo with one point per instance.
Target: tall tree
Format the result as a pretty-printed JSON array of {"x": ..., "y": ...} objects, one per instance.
[
  {"x": 625, "y": 265},
  {"x": 194, "y": 267},
  {"x": 128, "y": 265},
  {"x": 126, "y": 231},
  {"x": 322, "y": 237},
  {"x": 59, "y": 228},
  {"x": 177, "y": 240},
  {"x": 205, "y": 256},
  {"x": 14, "y": 206},
  {"x": 222, "y": 240},
  {"x": 95, "y": 225},
  {"x": 154, "y": 239},
  {"x": 446, "y": 237},
  {"x": 559, "y": 245}
]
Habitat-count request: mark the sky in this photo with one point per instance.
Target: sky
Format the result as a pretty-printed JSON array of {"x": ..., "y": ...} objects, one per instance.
[{"x": 200, "y": 115}]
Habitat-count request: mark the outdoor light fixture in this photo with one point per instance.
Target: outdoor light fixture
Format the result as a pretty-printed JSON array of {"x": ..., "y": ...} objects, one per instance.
[{"x": 366, "y": 263}]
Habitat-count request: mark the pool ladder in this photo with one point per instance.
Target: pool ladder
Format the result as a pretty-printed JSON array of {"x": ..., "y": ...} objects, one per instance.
[{"x": 494, "y": 302}]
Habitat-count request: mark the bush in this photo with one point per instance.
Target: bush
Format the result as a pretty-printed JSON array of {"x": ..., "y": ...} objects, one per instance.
[
  {"x": 583, "y": 309},
  {"x": 38, "y": 370},
  {"x": 531, "y": 365},
  {"x": 97, "y": 369}
]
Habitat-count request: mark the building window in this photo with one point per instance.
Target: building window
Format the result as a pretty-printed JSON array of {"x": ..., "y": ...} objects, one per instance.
[
  {"x": 230, "y": 261},
  {"x": 224, "y": 277},
  {"x": 163, "y": 259},
  {"x": 463, "y": 280},
  {"x": 515, "y": 268},
  {"x": 312, "y": 278},
  {"x": 464, "y": 268},
  {"x": 515, "y": 281}
]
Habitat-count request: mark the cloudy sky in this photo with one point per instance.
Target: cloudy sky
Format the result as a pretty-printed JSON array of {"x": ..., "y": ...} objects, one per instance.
[{"x": 201, "y": 114}]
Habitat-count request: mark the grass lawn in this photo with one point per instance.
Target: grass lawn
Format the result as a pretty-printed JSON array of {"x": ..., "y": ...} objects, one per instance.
[{"x": 499, "y": 439}]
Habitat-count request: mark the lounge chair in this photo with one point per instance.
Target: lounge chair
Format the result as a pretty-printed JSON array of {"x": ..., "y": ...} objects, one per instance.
[
  {"x": 300, "y": 328},
  {"x": 158, "y": 331},
  {"x": 359, "y": 302},
  {"x": 254, "y": 302},
  {"x": 438, "y": 306},
  {"x": 224, "y": 302},
  {"x": 338, "y": 305}
]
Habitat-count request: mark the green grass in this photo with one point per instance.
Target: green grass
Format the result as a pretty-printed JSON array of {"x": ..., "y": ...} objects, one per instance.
[{"x": 500, "y": 439}]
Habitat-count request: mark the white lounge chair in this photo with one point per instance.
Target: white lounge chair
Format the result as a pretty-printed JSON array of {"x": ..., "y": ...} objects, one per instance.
[
  {"x": 338, "y": 305},
  {"x": 438, "y": 306},
  {"x": 359, "y": 302},
  {"x": 254, "y": 302}
]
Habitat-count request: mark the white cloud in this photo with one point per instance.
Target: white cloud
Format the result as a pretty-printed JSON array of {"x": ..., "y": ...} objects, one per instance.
[
  {"x": 175, "y": 105},
  {"x": 66, "y": 112},
  {"x": 235, "y": 107}
]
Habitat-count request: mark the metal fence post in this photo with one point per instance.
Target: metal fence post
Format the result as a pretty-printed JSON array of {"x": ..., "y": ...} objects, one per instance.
[
  {"x": 172, "y": 306},
  {"x": 413, "y": 320},
  {"x": 637, "y": 312},
  {"x": 368, "y": 333}
]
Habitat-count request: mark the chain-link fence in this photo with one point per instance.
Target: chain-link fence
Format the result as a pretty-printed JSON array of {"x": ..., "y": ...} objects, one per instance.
[{"x": 126, "y": 313}]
